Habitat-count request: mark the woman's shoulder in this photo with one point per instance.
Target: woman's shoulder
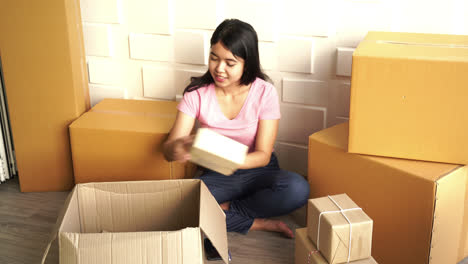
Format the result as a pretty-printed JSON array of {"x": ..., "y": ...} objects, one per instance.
[
  {"x": 263, "y": 87},
  {"x": 199, "y": 92}
]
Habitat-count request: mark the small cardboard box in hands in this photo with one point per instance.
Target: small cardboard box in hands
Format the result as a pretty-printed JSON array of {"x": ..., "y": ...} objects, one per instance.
[{"x": 217, "y": 152}]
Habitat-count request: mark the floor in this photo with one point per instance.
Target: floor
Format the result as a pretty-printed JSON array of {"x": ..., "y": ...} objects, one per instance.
[{"x": 26, "y": 220}]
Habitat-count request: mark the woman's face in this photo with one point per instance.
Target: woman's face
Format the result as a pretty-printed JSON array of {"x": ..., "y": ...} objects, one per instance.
[{"x": 224, "y": 67}]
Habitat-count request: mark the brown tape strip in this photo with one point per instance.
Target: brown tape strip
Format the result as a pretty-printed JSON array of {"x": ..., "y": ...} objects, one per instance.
[
  {"x": 133, "y": 113},
  {"x": 420, "y": 44}
]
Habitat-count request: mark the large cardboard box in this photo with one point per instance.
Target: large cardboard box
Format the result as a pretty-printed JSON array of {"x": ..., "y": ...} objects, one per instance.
[
  {"x": 44, "y": 67},
  {"x": 339, "y": 228},
  {"x": 121, "y": 140},
  {"x": 307, "y": 253},
  {"x": 408, "y": 97},
  {"x": 417, "y": 207},
  {"x": 142, "y": 222}
]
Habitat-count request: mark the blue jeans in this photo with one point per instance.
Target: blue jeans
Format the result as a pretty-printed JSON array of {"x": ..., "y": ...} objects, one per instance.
[{"x": 257, "y": 193}]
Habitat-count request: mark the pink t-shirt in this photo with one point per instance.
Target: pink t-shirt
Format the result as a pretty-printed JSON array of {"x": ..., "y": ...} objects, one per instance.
[{"x": 261, "y": 103}]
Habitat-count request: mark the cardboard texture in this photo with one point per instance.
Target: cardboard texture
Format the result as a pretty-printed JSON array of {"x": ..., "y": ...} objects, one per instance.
[
  {"x": 121, "y": 140},
  {"x": 140, "y": 222},
  {"x": 217, "y": 152},
  {"x": 44, "y": 67},
  {"x": 417, "y": 207},
  {"x": 332, "y": 239},
  {"x": 408, "y": 97},
  {"x": 306, "y": 252}
]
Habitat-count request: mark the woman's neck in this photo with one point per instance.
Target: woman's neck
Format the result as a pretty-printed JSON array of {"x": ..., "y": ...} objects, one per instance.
[{"x": 233, "y": 90}]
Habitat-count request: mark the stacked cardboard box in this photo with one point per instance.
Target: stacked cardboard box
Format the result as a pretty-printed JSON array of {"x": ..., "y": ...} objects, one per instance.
[
  {"x": 307, "y": 253},
  {"x": 140, "y": 222},
  {"x": 408, "y": 97},
  {"x": 338, "y": 231},
  {"x": 408, "y": 93},
  {"x": 121, "y": 140},
  {"x": 44, "y": 69}
]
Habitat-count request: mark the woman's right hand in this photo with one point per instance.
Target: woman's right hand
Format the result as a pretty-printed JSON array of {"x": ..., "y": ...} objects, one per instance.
[{"x": 179, "y": 148}]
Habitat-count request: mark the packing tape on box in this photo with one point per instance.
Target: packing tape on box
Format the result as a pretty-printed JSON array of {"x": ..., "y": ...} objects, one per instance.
[
  {"x": 342, "y": 212},
  {"x": 133, "y": 113},
  {"x": 420, "y": 44}
]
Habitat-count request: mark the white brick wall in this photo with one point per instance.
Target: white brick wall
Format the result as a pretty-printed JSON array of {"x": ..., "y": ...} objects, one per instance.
[
  {"x": 261, "y": 14},
  {"x": 188, "y": 15},
  {"x": 102, "y": 11},
  {"x": 158, "y": 83},
  {"x": 268, "y": 53},
  {"x": 97, "y": 39},
  {"x": 298, "y": 122},
  {"x": 296, "y": 54},
  {"x": 358, "y": 17},
  {"x": 291, "y": 157},
  {"x": 98, "y": 92},
  {"x": 106, "y": 71},
  {"x": 149, "y": 49},
  {"x": 182, "y": 78},
  {"x": 192, "y": 47},
  {"x": 308, "y": 17},
  {"x": 344, "y": 58},
  {"x": 150, "y": 16},
  {"x": 306, "y": 92}
]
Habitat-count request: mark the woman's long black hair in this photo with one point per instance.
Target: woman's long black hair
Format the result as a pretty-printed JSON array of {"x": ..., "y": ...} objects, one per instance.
[{"x": 241, "y": 39}]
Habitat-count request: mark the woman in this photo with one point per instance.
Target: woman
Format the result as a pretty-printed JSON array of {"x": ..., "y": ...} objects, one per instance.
[{"x": 234, "y": 99}]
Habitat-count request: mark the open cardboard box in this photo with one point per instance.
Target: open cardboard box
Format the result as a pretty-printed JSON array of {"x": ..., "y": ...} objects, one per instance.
[{"x": 140, "y": 222}]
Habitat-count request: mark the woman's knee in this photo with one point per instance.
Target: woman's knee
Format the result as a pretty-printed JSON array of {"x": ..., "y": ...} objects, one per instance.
[
  {"x": 221, "y": 187},
  {"x": 298, "y": 189}
]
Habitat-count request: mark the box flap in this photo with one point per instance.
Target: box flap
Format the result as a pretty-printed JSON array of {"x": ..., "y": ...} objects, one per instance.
[
  {"x": 213, "y": 222},
  {"x": 67, "y": 219},
  {"x": 337, "y": 136},
  {"x": 138, "y": 206},
  {"x": 176, "y": 247},
  {"x": 71, "y": 218},
  {"x": 448, "y": 217}
]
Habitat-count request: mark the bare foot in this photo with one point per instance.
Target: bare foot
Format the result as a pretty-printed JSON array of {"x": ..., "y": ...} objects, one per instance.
[
  {"x": 272, "y": 225},
  {"x": 225, "y": 206}
]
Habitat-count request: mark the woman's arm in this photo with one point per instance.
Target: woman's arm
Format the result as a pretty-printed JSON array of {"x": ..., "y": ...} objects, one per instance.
[
  {"x": 179, "y": 141},
  {"x": 265, "y": 139}
]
